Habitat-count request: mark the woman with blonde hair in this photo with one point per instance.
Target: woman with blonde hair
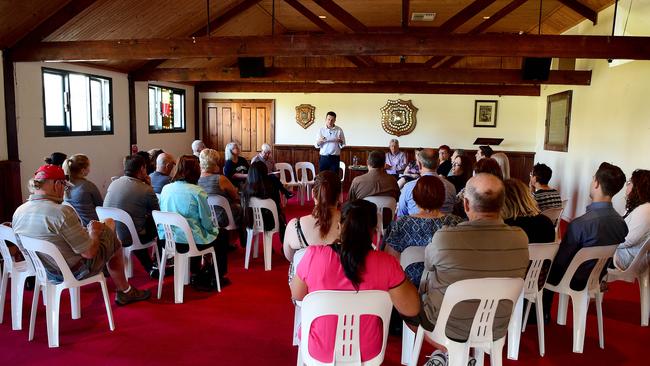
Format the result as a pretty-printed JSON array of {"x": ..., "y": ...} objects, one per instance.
[
  {"x": 84, "y": 195},
  {"x": 520, "y": 209},
  {"x": 504, "y": 164}
]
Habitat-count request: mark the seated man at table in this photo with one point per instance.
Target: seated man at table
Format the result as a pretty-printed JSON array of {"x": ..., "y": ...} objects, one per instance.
[
  {"x": 86, "y": 251},
  {"x": 374, "y": 183}
]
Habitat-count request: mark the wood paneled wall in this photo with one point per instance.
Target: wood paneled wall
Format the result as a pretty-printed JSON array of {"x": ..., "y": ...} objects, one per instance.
[
  {"x": 10, "y": 192},
  {"x": 521, "y": 162}
]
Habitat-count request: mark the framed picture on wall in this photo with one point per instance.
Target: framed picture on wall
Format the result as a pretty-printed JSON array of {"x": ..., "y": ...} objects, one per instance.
[
  {"x": 558, "y": 121},
  {"x": 485, "y": 113}
]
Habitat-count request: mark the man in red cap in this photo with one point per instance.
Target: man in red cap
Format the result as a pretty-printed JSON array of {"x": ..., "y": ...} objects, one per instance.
[{"x": 85, "y": 251}]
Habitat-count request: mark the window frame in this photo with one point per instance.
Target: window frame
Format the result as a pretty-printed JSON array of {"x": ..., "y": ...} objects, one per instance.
[
  {"x": 176, "y": 91},
  {"x": 66, "y": 130}
]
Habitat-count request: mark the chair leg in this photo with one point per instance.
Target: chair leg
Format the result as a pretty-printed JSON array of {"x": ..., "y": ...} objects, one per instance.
[
  {"x": 53, "y": 294},
  {"x": 496, "y": 358},
  {"x": 296, "y": 325},
  {"x": 479, "y": 356},
  {"x": 525, "y": 321},
  {"x": 216, "y": 270},
  {"x": 514, "y": 335},
  {"x": 17, "y": 291},
  {"x": 458, "y": 354},
  {"x": 644, "y": 287},
  {"x": 107, "y": 303},
  {"x": 539, "y": 308},
  {"x": 161, "y": 268},
  {"x": 599, "y": 315},
  {"x": 128, "y": 263},
  {"x": 256, "y": 248},
  {"x": 75, "y": 302},
  {"x": 580, "y": 307},
  {"x": 32, "y": 317},
  {"x": 3, "y": 292},
  {"x": 408, "y": 338},
  {"x": 249, "y": 244},
  {"x": 180, "y": 262},
  {"x": 563, "y": 304},
  {"x": 417, "y": 347},
  {"x": 268, "y": 246}
]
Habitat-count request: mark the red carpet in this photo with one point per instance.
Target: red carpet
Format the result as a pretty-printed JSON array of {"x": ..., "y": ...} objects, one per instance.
[{"x": 250, "y": 323}]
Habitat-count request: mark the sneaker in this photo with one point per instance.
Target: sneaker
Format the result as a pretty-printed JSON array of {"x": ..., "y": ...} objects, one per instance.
[
  {"x": 154, "y": 273},
  {"x": 133, "y": 295},
  {"x": 437, "y": 358}
]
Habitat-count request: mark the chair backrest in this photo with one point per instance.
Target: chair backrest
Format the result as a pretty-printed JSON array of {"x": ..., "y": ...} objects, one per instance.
[
  {"x": 538, "y": 253},
  {"x": 257, "y": 204},
  {"x": 169, "y": 220},
  {"x": 564, "y": 203},
  {"x": 553, "y": 214},
  {"x": 489, "y": 291},
  {"x": 640, "y": 261},
  {"x": 383, "y": 202},
  {"x": 34, "y": 246},
  {"x": 410, "y": 255},
  {"x": 343, "y": 168},
  {"x": 302, "y": 169},
  {"x": 115, "y": 177},
  {"x": 7, "y": 235},
  {"x": 348, "y": 306},
  {"x": 221, "y": 201},
  {"x": 286, "y": 173},
  {"x": 122, "y": 216},
  {"x": 600, "y": 253}
]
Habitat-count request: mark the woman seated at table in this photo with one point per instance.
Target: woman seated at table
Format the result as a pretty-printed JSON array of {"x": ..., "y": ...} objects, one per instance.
[
  {"x": 84, "y": 195},
  {"x": 235, "y": 167},
  {"x": 637, "y": 218},
  {"x": 321, "y": 227},
  {"x": 395, "y": 159},
  {"x": 352, "y": 264},
  {"x": 259, "y": 185},
  {"x": 461, "y": 171},
  {"x": 418, "y": 229},
  {"x": 520, "y": 209},
  {"x": 186, "y": 198}
]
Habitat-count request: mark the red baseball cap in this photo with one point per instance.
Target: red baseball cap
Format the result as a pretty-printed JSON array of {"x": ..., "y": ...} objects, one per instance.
[{"x": 49, "y": 171}]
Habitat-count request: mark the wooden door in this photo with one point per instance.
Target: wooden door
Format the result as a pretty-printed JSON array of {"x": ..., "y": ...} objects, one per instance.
[{"x": 247, "y": 122}]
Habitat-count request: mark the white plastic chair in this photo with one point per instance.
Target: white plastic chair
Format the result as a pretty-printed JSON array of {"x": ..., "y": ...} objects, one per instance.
[
  {"x": 409, "y": 256},
  {"x": 168, "y": 220},
  {"x": 257, "y": 205},
  {"x": 580, "y": 299},
  {"x": 489, "y": 291},
  {"x": 287, "y": 178},
  {"x": 639, "y": 271},
  {"x": 343, "y": 168},
  {"x": 539, "y": 253},
  {"x": 348, "y": 306},
  {"x": 122, "y": 216},
  {"x": 18, "y": 271},
  {"x": 302, "y": 169},
  {"x": 52, "y": 291},
  {"x": 297, "y": 257},
  {"x": 221, "y": 201},
  {"x": 382, "y": 202},
  {"x": 553, "y": 214}
]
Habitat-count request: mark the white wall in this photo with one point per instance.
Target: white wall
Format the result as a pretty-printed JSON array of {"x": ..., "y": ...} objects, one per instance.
[
  {"x": 3, "y": 125},
  {"x": 610, "y": 121},
  {"x": 441, "y": 119}
]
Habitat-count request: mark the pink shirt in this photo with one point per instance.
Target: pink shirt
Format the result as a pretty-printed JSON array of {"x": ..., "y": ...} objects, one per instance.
[{"x": 321, "y": 269}]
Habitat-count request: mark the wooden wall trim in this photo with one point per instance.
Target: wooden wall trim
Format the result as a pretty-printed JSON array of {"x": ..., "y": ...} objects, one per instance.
[
  {"x": 10, "y": 106},
  {"x": 10, "y": 192}
]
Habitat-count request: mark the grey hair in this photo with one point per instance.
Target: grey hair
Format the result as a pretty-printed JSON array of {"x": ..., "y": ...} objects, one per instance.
[
  {"x": 485, "y": 199},
  {"x": 208, "y": 160},
  {"x": 396, "y": 141},
  {"x": 196, "y": 144},
  {"x": 427, "y": 158},
  {"x": 229, "y": 148},
  {"x": 266, "y": 147}
]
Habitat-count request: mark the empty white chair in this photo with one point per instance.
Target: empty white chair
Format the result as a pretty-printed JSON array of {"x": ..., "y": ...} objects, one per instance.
[
  {"x": 580, "y": 299},
  {"x": 409, "y": 256},
  {"x": 168, "y": 220},
  {"x": 639, "y": 271},
  {"x": 287, "y": 178},
  {"x": 122, "y": 216},
  {"x": 52, "y": 291},
  {"x": 489, "y": 291},
  {"x": 303, "y": 168},
  {"x": 539, "y": 253},
  {"x": 348, "y": 306},
  {"x": 382, "y": 202},
  {"x": 221, "y": 201},
  {"x": 257, "y": 205},
  {"x": 18, "y": 272},
  {"x": 343, "y": 169}
]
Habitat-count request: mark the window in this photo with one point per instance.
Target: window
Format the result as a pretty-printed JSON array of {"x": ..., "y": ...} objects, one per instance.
[
  {"x": 166, "y": 109},
  {"x": 76, "y": 104}
]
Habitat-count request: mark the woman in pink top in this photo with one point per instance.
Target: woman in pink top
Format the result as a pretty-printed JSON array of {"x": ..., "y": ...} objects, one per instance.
[{"x": 352, "y": 264}]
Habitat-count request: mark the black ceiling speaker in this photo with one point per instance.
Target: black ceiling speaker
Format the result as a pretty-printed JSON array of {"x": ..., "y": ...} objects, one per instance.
[
  {"x": 251, "y": 67},
  {"x": 536, "y": 68}
]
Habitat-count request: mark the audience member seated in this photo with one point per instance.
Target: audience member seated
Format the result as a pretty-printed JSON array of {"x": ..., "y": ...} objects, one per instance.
[
  {"x": 352, "y": 264},
  {"x": 411, "y": 172},
  {"x": 321, "y": 227},
  {"x": 259, "y": 185},
  {"x": 485, "y": 165},
  {"x": 154, "y": 153},
  {"x": 374, "y": 183},
  {"x": 197, "y": 147},
  {"x": 86, "y": 251},
  {"x": 482, "y": 247},
  {"x": 56, "y": 158},
  {"x": 265, "y": 157},
  {"x": 484, "y": 151},
  {"x": 417, "y": 229},
  {"x": 133, "y": 193},
  {"x": 236, "y": 167},
  {"x": 545, "y": 196},
  {"x": 520, "y": 209},
  {"x": 461, "y": 171},
  {"x": 186, "y": 198},
  {"x": 457, "y": 153},
  {"x": 214, "y": 183},
  {"x": 83, "y": 195},
  {"x": 147, "y": 161},
  {"x": 427, "y": 163},
  {"x": 395, "y": 162},
  {"x": 164, "y": 165},
  {"x": 504, "y": 164},
  {"x": 600, "y": 225},
  {"x": 444, "y": 160},
  {"x": 637, "y": 218}
]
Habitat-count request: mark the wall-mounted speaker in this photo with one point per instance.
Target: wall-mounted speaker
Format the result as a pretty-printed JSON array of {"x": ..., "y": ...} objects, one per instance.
[
  {"x": 536, "y": 68},
  {"x": 251, "y": 67}
]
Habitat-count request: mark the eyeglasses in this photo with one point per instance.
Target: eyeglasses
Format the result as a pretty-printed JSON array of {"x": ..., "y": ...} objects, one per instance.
[
  {"x": 66, "y": 187},
  {"x": 455, "y": 164}
]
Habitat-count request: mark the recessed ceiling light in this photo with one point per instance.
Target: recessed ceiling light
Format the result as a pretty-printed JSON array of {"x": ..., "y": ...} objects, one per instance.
[
  {"x": 322, "y": 16},
  {"x": 486, "y": 17}
]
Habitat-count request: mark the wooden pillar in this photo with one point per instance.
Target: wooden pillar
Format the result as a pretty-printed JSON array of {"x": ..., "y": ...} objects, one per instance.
[
  {"x": 10, "y": 192},
  {"x": 133, "y": 125},
  {"x": 197, "y": 110},
  {"x": 10, "y": 106}
]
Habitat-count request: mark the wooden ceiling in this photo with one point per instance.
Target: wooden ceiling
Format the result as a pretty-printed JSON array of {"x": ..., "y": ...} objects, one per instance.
[{"x": 160, "y": 47}]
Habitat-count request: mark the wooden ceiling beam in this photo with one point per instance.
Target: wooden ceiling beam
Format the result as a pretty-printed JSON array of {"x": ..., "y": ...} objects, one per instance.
[
  {"x": 378, "y": 74},
  {"x": 406, "y": 10},
  {"x": 341, "y": 15},
  {"x": 401, "y": 88},
  {"x": 581, "y": 9},
  {"x": 484, "y": 45},
  {"x": 224, "y": 18}
]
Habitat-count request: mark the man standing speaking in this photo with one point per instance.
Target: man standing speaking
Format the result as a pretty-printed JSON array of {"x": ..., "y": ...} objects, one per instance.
[{"x": 330, "y": 141}]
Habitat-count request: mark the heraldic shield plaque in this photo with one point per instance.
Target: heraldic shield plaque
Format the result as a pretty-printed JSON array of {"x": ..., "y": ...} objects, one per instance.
[
  {"x": 398, "y": 117},
  {"x": 305, "y": 115}
]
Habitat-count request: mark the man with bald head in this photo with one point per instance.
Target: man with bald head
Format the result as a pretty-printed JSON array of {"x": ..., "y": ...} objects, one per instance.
[
  {"x": 482, "y": 247},
  {"x": 164, "y": 165}
]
